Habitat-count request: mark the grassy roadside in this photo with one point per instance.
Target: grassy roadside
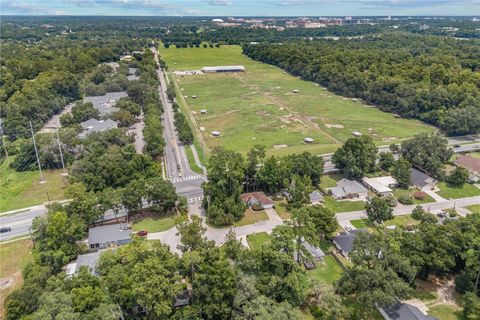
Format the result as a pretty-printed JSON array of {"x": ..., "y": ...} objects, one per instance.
[{"x": 191, "y": 160}]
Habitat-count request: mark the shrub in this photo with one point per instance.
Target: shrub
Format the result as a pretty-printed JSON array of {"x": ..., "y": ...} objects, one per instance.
[
  {"x": 419, "y": 195},
  {"x": 257, "y": 207},
  {"x": 405, "y": 198},
  {"x": 391, "y": 201}
]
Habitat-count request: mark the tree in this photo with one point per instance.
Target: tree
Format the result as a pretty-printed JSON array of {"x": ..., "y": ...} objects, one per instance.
[
  {"x": 378, "y": 210},
  {"x": 386, "y": 160},
  {"x": 326, "y": 305},
  {"x": 299, "y": 191},
  {"x": 132, "y": 195},
  {"x": 418, "y": 213},
  {"x": 255, "y": 158},
  {"x": 356, "y": 157},
  {"x": 471, "y": 305},
  {"x": 401, "y": 172},
  {"x": 458, "y": 177},
  {"x": 427, "y": 152},
  {"x": 160, "y": 194},
  {"x": 326, "y": 223},
  {"x": 233, "y": 248},
  {"x": 191, "y": 234},
  {"x": 272, "y": 175},
  {"x": 83, "y": 203}
]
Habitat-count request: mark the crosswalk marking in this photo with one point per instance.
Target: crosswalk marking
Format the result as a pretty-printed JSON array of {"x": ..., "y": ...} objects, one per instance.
[
  {"x": 195, "y": 199},
  {"x": 187, "y": 178}
]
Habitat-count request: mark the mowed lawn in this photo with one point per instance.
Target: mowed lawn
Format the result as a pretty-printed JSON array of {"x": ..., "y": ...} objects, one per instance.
[
  {"x": 155, "y": 224},
  {"x": 343, "y": 206},
  {"x": 257, "y": 240},
  {"x": 327, "y": 271},
  {"x": 13, "y": 258},
  {"x": 450, "y": 192},
  {"x": 22, "y": 189},
  {"x": 260, "y": 107},
  {"x": 251, "y": 217}
]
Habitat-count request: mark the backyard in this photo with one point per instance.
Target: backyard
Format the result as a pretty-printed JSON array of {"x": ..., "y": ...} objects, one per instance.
[
  {"x": 260, "y": 107},
  {"x": 343, "y": 206},
  {"x": 327, "y": 271},
  {"x": 23, "y": 189},
  {"x": 155, "y": 224},
  {"x": 257, "y": 240},
  {"x": 251, "y": 217},
  {"x": 281, "y": 209}
]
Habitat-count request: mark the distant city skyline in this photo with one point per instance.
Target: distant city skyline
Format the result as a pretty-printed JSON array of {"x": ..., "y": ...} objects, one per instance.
[{"x": 242, "y": 7}]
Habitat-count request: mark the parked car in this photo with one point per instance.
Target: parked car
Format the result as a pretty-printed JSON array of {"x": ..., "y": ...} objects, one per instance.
[
  {"x": 142, "y": 233},
  {"x": 5, "y": 229},
  {"x": 442, "y": 214}
]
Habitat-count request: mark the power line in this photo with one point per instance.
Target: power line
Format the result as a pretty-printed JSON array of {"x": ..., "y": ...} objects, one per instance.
[{"x": 42, "y": 179}]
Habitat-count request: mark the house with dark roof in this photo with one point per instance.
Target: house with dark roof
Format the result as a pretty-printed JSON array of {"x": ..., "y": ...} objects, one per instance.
[
  {"x": 404, "y": 311},
  {"x": 113, "y": 235},
  {"x": 422, "y": 180},
  {"x": 348, "y": 189},
  {"x": 470, "y": 163},
  {"x": 344, "y": 241},
  {"x": 257, "y": 198}
]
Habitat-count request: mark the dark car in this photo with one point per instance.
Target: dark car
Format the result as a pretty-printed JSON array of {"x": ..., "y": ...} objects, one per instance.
[
  {"x": 456, "y": 146},
  {"x": 5, "y": 229}
]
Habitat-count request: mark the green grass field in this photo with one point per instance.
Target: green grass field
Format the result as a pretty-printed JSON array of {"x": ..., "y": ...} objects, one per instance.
[
  {"x": 343, "y": 206},
  {"x": 22, "y": 189},
  {"x": 155, "y": 224},
  {"x": 191, "y": 160},
  {"x": 427, "y": 198},
  {"x": 251, "y": 217},
  {"x": 259, "y": 106},
  {"x": 474, "y": 208},
  {"x": 256, "y": 240},
  {"x": 450, "y": 192},
  {"x": 327, "y": 271},
  {"x": 403, "y": 220},
  {"x": 281, "y": 209}
]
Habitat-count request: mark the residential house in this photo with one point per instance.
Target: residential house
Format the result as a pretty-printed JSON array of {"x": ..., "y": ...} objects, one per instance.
[
  {"x": 344, "y": 241},
  {"x": 348, "y": 189},
  {"x": 93, "y": 126},
  {"x": 422, "y": 180},
  {"x": 404, "y": 311},
  {"x": 88, "y": 260},
  {"x": 470, "y": 163},
  {"x": 109, "y": 236},
  {"x": 315, "y": 197},
  {"x": 380, "y": 185},
  {"x": 257, "y": 198},
  {"x": 317, "y": 253}
]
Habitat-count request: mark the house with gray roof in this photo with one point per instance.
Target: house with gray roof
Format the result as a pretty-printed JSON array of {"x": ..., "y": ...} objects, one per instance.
[
  {"x": 316, "y": 252},
  {"x": 113, "y": 235},
  {"x": 89, "y": 260},
  {"x": 344, "y": 241},
  {"x": 93, "y": 126},
  {"x": 348, "y": 189},
  {"x": 422, "y": 180},
  {"x": 404, "y": 311},
  {"x": 106, "y": 104},
  {"x": 315, "y": 197}
]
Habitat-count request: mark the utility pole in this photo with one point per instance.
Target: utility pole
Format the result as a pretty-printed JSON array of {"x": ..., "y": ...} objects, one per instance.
[
  {"x": 3, "y": 142},
  {"x": 42, "y": 179},
  {"x": 61, "y": 154}
]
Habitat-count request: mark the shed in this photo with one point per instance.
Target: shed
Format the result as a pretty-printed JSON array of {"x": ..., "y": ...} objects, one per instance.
[
  {"x": 216, "y": 133},
  {"x": 356, "y": 133},
  {"x": 308, "y": 140},
  {"x": 315, "y": 197},
  {"x": 203, "y": 111},
  {"x": 295, "y": 91}
]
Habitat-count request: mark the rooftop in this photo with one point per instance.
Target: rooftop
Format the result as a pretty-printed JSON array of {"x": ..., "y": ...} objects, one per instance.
[
  {"x": 419, "y": 178},
  {"x": 345, "y": 240},
  {"x": 93, "y": 125},
  {"x": 106, "y": 104},
  {"x": 110, "y": 233},
  {"x": 468, "y": 162},
  {"x": 347, "y": 187},
  {"x": 223, "y": 68},
  {"x": 405, "y": 311},
  {"x": 380, "y": 184},
  {"x": 258, "y": 196}
]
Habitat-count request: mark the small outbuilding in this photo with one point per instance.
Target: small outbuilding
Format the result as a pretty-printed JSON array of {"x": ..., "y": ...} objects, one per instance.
[
  {"x": 203, "y": 111},
  {"x": 308, "y": 140},
  {"x": 315, "y": 197},
  {"x": 356, "y": 133},
  {"x": 216, "y": 133},
  {"x": 295, "y": 91}
]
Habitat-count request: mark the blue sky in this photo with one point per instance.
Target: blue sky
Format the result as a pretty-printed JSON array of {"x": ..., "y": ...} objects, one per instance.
[{"x": 240, "y": 7}]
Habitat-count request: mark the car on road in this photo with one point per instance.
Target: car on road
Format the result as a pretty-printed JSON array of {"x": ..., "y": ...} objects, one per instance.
[
  {"x": 5, "y": 229},
  {"x": 456, "y": 146}
]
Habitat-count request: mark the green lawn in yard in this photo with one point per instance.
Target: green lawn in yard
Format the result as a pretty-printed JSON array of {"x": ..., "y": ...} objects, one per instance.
[
  {"x": 361, "y": 223},
  {"x": 427, "y": 199},
  {"x": 256, "y": 240},
  {"x": 475, "y": 154},
  {"x": 403, "y": 220},
  {"x": 259, "y": 107},
  {"x": 155, "y": 224},
  {"x": 450, "y": 192},
  {"x": 344, "y": 205},
  {"x": 329, "y": 180},
  {"x": 446, "y": 312},
  {"x": 474, "y": 208},
  {"x": 327, "y": 271},
  {"x": 22, "y": 189},
  {"x": 251, "y": 217},
  {"x": 281, "y": 209}
]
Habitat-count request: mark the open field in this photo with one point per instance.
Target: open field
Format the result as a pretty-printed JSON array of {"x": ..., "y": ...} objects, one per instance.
[
  {"x": 251, "y": 217},
  {"x": 259, "y": 106},
  {"x": 13, "y": 258},
  {"x": 155, "y": 224},
  {"x": 474, "y": 208},
  {"x": 22, "y": 189},
  {"x": 256, "y": 240},
  {"x": 450, "y": 192},
  {"x": 403, "y": 220}
]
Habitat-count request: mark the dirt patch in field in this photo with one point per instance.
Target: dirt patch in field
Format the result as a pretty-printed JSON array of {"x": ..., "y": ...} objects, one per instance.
[
  {"x": 389, "y": 139},
  {"x": 280, "y": 146},
  {"x": 336, "y": 126},
  {"x": 262, "y": 113}
]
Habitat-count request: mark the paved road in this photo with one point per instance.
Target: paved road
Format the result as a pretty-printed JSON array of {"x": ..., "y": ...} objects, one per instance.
[{"x": 402, "y": 209}]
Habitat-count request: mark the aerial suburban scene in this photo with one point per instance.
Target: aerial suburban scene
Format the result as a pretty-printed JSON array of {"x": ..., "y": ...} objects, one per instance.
[{"x": 239, "y": 159}]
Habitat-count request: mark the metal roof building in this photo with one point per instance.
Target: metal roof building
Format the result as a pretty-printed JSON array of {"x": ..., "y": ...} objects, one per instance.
[{"x": 223, "y": 69}]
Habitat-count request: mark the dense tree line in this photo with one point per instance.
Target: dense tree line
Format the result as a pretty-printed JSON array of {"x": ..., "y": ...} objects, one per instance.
[
  {"x": 430, "y": 78},
  {"x": 229, "y": 175}
]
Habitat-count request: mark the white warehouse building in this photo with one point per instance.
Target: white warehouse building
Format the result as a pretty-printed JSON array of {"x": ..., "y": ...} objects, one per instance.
[{"x": 218, "y": 69}]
